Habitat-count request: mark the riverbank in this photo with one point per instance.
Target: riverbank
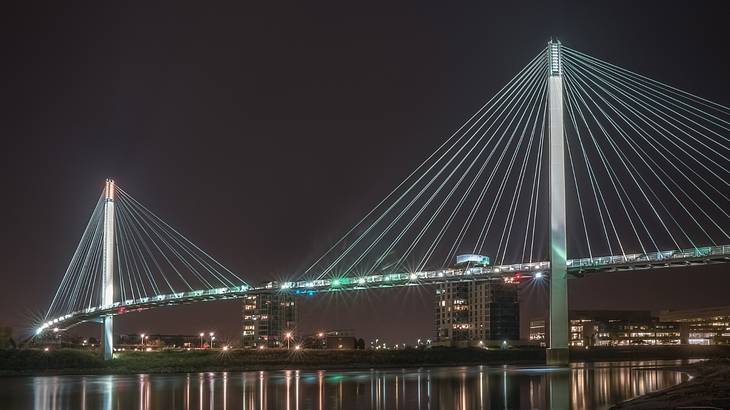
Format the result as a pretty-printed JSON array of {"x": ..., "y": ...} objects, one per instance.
[
  {"x": 22, "y": 362},
  {"x": 709, "y": 388},
  {"x": 67, "y": 361}
]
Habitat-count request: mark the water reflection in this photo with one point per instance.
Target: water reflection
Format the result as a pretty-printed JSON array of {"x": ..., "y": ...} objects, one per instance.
[{"x": 584, "y": 386}]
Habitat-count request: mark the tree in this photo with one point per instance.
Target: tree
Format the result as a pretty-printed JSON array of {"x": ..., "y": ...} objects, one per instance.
[{"x": 6, "y": 335}]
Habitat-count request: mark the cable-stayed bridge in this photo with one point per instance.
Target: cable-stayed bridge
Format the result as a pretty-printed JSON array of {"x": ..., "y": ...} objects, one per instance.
[{"x": 575, "y": 167}]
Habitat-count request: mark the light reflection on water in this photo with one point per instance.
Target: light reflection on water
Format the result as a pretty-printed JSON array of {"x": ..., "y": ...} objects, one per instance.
[{"x": 584, "y": 386}]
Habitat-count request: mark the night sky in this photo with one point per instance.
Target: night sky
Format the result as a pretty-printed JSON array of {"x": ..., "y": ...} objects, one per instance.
[{"x": 263, "y": 133}]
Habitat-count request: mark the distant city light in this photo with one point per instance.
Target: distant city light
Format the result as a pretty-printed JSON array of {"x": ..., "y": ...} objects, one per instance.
[
  {"x": 538, "y": 275},
  {"x": 297, "y": 347}
]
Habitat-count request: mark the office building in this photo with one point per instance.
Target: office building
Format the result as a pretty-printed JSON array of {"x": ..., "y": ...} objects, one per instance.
[
  {"x": 612, "y": 328},
  {"x": 620, "y": 328},
  {"x": 705, "y": 326},
  {"x": 331, "y": 339},
  {"x": 537, "y": 332}
]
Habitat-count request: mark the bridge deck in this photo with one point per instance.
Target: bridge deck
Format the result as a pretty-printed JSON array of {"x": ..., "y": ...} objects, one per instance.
[{"x": 576, "y": 267}]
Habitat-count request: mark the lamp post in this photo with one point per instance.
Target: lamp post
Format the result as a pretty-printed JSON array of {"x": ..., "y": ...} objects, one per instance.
[
  {"x": 212, "y": 336},
  {"x": 288, "y": 339},
  {"x": 57, "y": 331},
  {"x": 142, "y": 337},
  {"x": 201, "y": 339}
]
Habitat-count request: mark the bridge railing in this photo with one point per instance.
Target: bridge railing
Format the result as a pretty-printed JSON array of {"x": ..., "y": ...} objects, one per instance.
[{"x": 654, "y": 259}]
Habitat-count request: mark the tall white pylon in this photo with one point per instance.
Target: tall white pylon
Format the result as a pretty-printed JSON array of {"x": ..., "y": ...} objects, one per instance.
[
  {"x": 557, "y": 353},
  {"x": 107, "y": 280}
]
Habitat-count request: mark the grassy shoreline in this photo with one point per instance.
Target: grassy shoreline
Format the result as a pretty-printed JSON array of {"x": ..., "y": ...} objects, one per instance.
[{"x": 31, "y": 362}]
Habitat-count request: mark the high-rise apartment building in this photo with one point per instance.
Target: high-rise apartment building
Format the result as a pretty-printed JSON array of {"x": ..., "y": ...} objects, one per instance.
[
  {"x": 267, "y": 318},
  {"x": 468, "y": 313}
]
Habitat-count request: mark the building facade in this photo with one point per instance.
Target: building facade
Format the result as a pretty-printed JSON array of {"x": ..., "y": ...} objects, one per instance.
[
  {"x": 483, "y": 311},
  {"x": 621, "y": 328},
  {"x": 331, "y": 339},
  {"x": 537, "y": 332},
  {"x": 707, "y": 326},
  {"x": 612, "y": 328},
  {"x": 267, "y": 318}
]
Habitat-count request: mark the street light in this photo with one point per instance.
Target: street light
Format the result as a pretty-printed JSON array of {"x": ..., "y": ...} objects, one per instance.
[
  {"x": 212, "y": 338},
  {"x": 288, "y": 339},
  {"x": 142, "y": 337},
  {"x": 201, "y": 339}
]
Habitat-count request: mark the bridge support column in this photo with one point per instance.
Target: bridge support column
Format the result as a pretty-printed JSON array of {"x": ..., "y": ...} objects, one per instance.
[
  {"x": 557, "y": 353},
  {"x": 107, "y": 280}
]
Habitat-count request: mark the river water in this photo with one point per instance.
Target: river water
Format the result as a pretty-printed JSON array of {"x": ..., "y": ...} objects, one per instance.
[{"x": 583, "y": 386}]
